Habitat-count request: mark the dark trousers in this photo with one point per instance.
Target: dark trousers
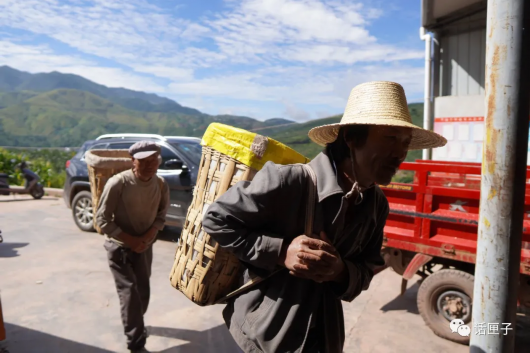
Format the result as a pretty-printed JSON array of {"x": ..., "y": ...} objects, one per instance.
[{"x": 131, "y": 273}]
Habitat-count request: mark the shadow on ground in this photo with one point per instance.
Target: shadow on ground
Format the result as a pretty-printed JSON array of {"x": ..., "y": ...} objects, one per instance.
[
  {"x": 10, "y": 249},
  {"x": 214, "y": 340},
  {"x": 405, "y": 302},
  {"x": 21, "y": 339}
]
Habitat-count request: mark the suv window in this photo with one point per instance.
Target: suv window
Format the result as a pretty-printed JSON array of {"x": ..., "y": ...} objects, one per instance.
[
  {"x": 81, "y": 151},
  {"x": 166, "y": 155},
  {"x": 191, "y": 150},
  {"x": 120, "y": 146},
  {"x": 99, "y": 146}
]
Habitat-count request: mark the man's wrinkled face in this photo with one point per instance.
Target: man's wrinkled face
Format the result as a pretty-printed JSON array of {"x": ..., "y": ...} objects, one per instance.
[
  {"x": 385, "y": 149},
  {"x": 147, "y": 167}
]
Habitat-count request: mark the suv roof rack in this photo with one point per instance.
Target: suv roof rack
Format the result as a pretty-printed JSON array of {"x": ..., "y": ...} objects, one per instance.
[{"x": 110, "y": 136}]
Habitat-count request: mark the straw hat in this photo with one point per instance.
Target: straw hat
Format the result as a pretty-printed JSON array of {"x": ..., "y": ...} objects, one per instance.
[{"x": 378, "y": 103}]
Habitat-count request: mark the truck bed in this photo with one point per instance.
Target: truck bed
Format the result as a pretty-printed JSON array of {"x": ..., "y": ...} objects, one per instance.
[{"x": 438, "y": 213}]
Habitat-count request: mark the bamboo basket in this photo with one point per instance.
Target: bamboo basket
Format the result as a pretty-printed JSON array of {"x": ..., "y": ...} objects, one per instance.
[
  {"x": 102, "y": 165},
  {"x": 203, "y": 271}
]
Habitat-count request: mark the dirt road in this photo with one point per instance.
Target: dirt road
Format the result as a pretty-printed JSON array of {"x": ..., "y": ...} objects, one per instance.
[{"x": 58, "y": 296}]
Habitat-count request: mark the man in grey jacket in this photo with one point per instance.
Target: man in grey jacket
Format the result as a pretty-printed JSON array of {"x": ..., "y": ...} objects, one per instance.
[
  {"x": 299, "y": 308},
  {"x": 132, "y": 210}
]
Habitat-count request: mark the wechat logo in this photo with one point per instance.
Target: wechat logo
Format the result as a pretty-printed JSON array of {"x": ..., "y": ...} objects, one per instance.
[{"x": 458, "y": 326}]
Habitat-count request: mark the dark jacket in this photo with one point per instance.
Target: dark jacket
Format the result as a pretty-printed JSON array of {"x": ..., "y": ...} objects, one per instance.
[{"x": 253, "y": 219}]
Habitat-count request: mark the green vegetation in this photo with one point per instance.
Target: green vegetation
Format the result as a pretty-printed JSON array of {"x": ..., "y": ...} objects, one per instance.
[
  {"x": 56, "y": 109},
  {"x": 60, "y": 110},
  {"x": 404, "y": 176},
  {"x": 47, "y": 163},
  {"x": 295, "y": 136},
  {"x": 67, "y": 117}
]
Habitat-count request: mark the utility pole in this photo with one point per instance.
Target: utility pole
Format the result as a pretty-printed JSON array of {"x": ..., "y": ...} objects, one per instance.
[{"x": 503, "y": 174}]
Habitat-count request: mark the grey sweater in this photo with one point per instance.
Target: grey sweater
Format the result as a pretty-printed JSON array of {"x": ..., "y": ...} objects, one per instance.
[{"x": 131, "y": 205}]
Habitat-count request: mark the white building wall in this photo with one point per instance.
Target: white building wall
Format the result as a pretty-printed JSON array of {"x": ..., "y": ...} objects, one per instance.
[{"x": 460, "y": 119}]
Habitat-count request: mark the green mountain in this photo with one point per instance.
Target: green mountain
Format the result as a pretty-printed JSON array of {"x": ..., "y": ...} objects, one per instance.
[
  {"x": 295, "y": 135},
  {"x": 8, "y": 99},
  {"x": 67, "y": 117},
  {"x": 12, "y": 80},
  {"x": 54, "y": 109}
]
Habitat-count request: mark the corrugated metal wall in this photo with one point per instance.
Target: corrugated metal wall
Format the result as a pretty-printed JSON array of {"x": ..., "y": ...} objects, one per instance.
[
  {"x": 459, "y": 111},
  {"x": 463, "y": 63},
  {"x": 463, "y": 55}
]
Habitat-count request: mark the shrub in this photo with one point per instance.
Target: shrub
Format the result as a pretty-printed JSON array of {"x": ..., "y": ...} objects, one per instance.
[{"x": 48, "y": 164}]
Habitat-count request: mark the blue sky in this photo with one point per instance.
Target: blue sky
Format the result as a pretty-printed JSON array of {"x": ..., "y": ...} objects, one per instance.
[{"x": 296, "y": 59}]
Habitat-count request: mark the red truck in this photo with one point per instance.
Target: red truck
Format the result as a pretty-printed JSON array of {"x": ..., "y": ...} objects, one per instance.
[{"x": 432, "y": 231}]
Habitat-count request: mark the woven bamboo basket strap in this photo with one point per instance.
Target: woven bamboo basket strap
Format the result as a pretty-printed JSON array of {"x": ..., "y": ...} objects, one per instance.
[{"x": 309, "y": 219}]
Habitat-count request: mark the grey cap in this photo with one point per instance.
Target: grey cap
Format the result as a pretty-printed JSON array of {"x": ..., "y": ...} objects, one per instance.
[{"x": 143, "y": 149}]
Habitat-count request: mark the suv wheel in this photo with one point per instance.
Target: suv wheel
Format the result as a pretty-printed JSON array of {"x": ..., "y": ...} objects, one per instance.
[{"x": 83, "y": 212}]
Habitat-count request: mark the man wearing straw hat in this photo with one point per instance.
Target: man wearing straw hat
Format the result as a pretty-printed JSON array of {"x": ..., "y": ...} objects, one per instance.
[
  {"x": 132, "y": 210},
  {"x": 298, "y": 309}
]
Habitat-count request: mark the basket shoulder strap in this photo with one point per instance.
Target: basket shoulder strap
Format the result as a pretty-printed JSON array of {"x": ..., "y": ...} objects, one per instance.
[
  {"x": 311, "y": 200},
  {"x": 309, "y": 218}
]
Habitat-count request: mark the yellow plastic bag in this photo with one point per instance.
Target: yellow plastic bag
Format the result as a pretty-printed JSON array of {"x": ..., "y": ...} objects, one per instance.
[{"x": 249, "y": 148}]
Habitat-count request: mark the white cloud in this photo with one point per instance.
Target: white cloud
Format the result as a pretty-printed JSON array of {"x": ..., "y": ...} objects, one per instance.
[
  {"x": 293, "y": 54},
  {"x": 123, "y": 30},
  {"x": 197, "y": 102},
  {"x": 295, "y": 113},
  {"x": 296, "y": 86},
  {"x": 320, "y": 114},
  {"x": 411, "y": 78},
  {"x": 241, "y": 111},
  {"x": 309, "y": 31},
  {"x": 240, "y": 86},
  {"x": 194, "y": 31},
  {"x": 250, "y": 31},
  {"x": 40, "y": 58},
  {"x": 115, "y": 77},
  {"x": 170, "y": 72},
  {"x": 305, "y": 20},
  {"x": 321, "y": 54},
  {"x": 35, "y": 58}
]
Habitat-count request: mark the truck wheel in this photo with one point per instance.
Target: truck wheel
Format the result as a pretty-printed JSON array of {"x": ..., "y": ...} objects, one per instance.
[
  {"x": 444, "y": 296},
  {"x": 83, "y": 212}
]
